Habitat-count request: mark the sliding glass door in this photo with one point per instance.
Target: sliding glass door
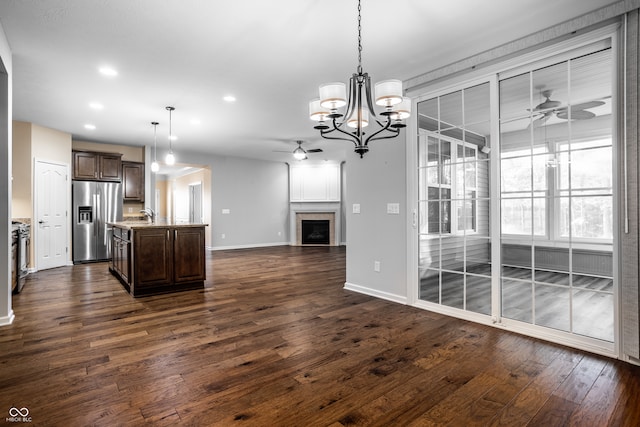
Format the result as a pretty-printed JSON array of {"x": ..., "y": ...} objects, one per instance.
[
  {"x": 556, "y": 187},
  {"x": 516, "y": 198},
  {"x": 453, "y": 170}
]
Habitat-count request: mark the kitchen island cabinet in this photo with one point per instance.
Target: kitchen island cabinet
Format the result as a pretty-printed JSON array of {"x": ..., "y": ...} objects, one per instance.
[{"x": 151, "y": 258}]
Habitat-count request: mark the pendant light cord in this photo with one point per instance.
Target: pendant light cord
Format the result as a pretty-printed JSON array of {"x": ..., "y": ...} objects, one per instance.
[
  {"x": 359, "y": 39},
  {"x": 155, "y": 141},
  {"x": 170, "y": 134}
]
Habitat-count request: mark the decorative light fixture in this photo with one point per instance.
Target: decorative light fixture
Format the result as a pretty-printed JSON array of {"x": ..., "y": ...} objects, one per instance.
[
  {"x": 299, "y": 153},
  {"x": 359, "y": 107},
  {"x": 170, "y": 159},
  {"x": 155, "y": 167}
]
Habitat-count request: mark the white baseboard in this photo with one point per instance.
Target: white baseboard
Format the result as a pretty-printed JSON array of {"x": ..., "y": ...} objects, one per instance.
[
  {"x": 375, "y": 293},
  {"x": 7, "y": 320},
  {"x": 255, "y": 245}
]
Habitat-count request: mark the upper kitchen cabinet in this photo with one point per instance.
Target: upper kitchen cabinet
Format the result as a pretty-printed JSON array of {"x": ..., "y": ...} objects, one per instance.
[
  {"x": 133, "y": 180},
  {"x": 92, "y": 166}
]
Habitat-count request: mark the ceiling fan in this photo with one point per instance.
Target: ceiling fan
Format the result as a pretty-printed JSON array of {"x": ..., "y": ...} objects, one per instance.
[
  {"x": 550, "y": 107},
  {"x": 300, "y": 153}
]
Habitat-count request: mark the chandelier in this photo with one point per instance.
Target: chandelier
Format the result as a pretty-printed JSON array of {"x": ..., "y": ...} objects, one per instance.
[{"x": 345, "y": 115}]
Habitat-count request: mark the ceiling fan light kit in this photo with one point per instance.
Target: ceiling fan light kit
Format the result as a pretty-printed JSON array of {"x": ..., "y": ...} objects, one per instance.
[
  {"x": 300, "y": 153},
  {"x": 334, "y": 122}
]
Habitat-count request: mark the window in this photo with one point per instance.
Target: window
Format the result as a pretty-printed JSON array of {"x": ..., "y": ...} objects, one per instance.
[
  {"x": 566, "y": 185},
  {"x": 446, "y": 190},
  {"x": 584, "y": 190}
]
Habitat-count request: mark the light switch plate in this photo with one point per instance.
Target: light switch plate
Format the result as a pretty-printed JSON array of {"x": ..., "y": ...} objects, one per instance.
[
  {"x": 393, "y": 208},
  {"x": 356, "y": 208},
  {"x": 226, "y": 211}
]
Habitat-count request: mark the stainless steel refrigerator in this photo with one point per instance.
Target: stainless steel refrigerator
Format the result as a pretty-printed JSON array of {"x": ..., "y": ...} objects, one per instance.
[{"x": 95, "y": 204}]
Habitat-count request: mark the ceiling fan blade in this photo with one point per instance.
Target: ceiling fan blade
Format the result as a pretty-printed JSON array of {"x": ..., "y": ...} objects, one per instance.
[
  {"x": 541, "y": 120},
  {"x": 576, "y": 114},
  {"x": 586, "y": 105},
  {"x": 314, "y": 150}
]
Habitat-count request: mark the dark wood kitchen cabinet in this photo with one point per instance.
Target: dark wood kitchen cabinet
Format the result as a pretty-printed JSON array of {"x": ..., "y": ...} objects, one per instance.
[
  {"x": 161, "y": 258},
  {"x": 92, "y": 166},
  {"x": 188, "y": 256},
  {"x": 133, "y": 181},
  {"x": 152, "y": 260},
  {"x": 121, "y": 253}
]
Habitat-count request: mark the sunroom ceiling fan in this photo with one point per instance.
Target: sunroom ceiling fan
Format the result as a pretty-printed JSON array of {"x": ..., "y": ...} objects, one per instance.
[
  {"x": 300, "y": 153},
  {"x": 550, "y": 107}
]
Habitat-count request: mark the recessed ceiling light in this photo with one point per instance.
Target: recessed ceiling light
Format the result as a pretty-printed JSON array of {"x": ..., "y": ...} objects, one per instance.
[
  {"x": 229, "y": 98},
  {"x": 108, "y": 71},
  {"x": 90, "y": 126},
  {"x": 96, "y": 105}
]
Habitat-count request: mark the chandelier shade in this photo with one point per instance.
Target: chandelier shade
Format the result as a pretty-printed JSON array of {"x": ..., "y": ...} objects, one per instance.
[
  {"x": 333, "y": 95},
  {"x": 317, "y": 112},
  {"x": 402, "y": 110},
  {"x": 359, "y": 118},
  {"x": 388, "y": 92},
  {"x": 343, "y": 113}
]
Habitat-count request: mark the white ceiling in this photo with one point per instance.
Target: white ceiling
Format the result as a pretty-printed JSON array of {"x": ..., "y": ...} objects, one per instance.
[{"x": 270, "y": 55}]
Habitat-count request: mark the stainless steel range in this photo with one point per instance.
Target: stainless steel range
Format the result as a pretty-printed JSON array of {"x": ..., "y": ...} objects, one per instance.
[{"x": 23, "y": 232}]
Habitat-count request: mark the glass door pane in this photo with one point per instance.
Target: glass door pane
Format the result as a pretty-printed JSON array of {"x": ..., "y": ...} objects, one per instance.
[
  {"x": 556, "y": 191},
  {"x": 453, "y": 189}
]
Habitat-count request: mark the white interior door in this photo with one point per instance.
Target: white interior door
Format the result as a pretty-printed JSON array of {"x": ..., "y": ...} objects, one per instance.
[{"x": 51, "y": 225}]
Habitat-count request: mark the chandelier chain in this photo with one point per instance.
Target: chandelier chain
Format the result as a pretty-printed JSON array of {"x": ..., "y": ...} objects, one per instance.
[{"x": 359, "y": 39}]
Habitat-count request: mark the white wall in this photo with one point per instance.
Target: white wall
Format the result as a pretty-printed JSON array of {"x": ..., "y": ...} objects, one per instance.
[
  {"x": 6, "y": 312},
  {"x": 256, "y": 195},
  {"x": 373, "y": 235}
]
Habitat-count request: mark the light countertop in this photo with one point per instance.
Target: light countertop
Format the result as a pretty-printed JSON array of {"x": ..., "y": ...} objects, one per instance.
[{"x": 137, "y": 224}]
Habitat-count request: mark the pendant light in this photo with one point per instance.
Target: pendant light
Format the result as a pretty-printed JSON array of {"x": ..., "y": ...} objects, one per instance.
[
  {"x": 155, "y": 167},
  {"x": 170, "y": 159},
  {"x": 349, "y": 125}
]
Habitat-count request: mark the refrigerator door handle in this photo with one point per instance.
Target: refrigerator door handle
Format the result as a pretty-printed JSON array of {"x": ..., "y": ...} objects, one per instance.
[{"x": 95, "y": 215}]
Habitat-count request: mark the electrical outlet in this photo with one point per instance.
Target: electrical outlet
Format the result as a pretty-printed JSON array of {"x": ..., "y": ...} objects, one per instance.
[
  {"x": 356, "y": 208},
  {"x": 226, "y": 211},
  {"x": 130, "y": 210},
  {"x": 223, "y": 236},
  {"x": 393, "y": 208},
  {"x": 376, "y": 266},
  {"x": 279, "y": 233}
]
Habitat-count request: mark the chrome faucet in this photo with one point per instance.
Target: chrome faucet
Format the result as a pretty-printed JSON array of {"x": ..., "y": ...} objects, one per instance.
[{"x": 150, "y": 213}]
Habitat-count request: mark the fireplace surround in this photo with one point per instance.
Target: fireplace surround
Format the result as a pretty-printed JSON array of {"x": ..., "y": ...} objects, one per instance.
[{"x": 312, "y": 217}]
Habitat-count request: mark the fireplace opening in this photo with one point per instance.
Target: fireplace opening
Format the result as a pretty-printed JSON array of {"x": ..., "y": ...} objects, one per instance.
[{"x": 315, "y": 232}]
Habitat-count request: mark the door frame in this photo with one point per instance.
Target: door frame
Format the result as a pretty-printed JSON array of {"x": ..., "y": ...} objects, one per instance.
[
  {"x": 192, "y": 187},
  {"x": 34, "y": 227}
]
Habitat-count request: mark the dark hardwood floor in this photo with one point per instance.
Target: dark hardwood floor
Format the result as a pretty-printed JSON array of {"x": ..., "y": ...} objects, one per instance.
[{"x": 275, "y": 340}]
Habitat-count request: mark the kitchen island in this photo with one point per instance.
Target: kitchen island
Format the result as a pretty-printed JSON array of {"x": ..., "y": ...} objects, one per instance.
[{"x": 151, "y": 258}]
